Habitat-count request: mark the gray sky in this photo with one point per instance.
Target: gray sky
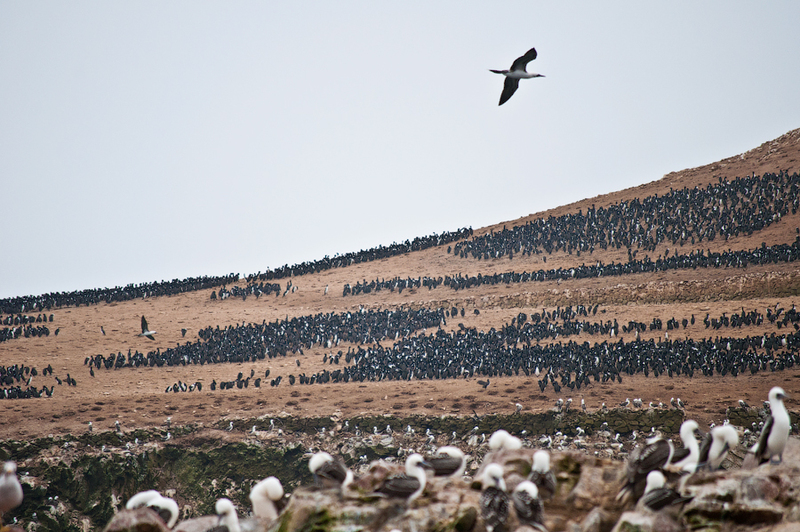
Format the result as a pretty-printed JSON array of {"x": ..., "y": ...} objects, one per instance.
[{"x": 146, "y": 141}]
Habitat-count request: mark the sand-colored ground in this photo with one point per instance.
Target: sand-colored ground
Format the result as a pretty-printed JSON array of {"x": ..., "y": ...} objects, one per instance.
[{"x": 136, "y": 398}]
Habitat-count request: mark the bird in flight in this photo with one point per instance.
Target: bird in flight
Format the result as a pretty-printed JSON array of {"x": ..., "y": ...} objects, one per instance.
[
  {"x": 515, "y": 73},
  {"x": 145, "y": 331}
]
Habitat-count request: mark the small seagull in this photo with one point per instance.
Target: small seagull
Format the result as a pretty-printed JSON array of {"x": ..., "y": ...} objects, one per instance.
[
  {"x": 515, "y": 73},
  {"x": 145, "y": 331}
]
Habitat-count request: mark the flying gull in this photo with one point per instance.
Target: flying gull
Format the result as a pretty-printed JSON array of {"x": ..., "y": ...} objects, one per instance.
[{"x": 516, "y": 73}]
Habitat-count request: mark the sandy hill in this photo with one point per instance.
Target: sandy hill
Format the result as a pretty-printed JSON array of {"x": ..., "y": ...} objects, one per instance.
[{"x": 136, "y": 397}]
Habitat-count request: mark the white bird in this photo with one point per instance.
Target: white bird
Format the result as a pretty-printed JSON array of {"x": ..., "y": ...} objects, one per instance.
[
  {"x": 528, "y": 505},
  {"x": 541, "y": 474},
  {"x": 657, "y": 495},
  {"x": 166, "y": 508},
  {"x": 447, "y": 462},
  {"x": 775, "y": 432},
  {"x": 687, "y": 463},
  {"x": 502, "y": 440},
  {"x": 410, "y": 485},
  {"x": 329, "y": 472},
  {"x": 494, "y": 499},
  {"x": 517, "y": 72},
  {"x": 141, "y": 499},
  {"x": 263, "y": 497},
  {"x": 145, "y": 331},
  {"x": 724, "y": 438},
  {"x": 229, "y": 521},
  {"x": 10, "y": 488}
]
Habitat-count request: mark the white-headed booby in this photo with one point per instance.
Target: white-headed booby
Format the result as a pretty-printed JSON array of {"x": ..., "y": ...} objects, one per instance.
[
  {"x": 542, "y": 476},
  {"x": 229, "y": 521},
  {"x": 515, "y": 73},
  {"x": 410, "y": 485},
  {"x": 657, "y": 495},
  {"x": 329, "y": 472},
  {"x": 166, "y": 508},
  {"x": 263, "y": 497},
  {"x": 528, "y": 505},
  {"x": 502, "y": 440},
  {"x": 141, "y": 499},
  {"x": 723, "y": 439},
  {"x": 10, "y": 488},
  {"x": 776, "y": 429},
  {"x": 494, "y": 499},
  {"x": 687, "y": 460},
  {"x": 653, "y": 456}
]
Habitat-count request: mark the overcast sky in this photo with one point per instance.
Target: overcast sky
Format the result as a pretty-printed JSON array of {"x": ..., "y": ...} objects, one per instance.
[{"x": 146, "y": 141}]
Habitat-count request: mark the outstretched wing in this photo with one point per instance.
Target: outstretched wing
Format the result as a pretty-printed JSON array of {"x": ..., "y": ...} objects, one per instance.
[
  {"x": 521, "y": 62},
  {"x": 509, "y": 88},
  {"x": 144, "y": 325}
]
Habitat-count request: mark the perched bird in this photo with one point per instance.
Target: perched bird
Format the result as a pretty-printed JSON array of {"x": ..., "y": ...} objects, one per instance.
[
  {"x": 528, "y": 506},
  {"x": 723, "y": 439},
  {"x": 447, "y": 462},
  {"x": 407, "y": 486},
  {"x": 10, "y": 488},
  {"x": 657, "y": 495},
  {"x": 742, "y": 404},
  {"x": 229, "y": 521},
  {"x": 329, "y": 472},
  {"x": 145, "y": 331},
  {"x": 642, "y": 460},
  {"x": 502, "y": 440},
  {"x": 166, "y": 508},
  {"x": 515, "y": 73},
  {"x": 542, "y": 476},
  {"x": 687, "y": 461},
  {"x": 263, "y": 497},
  {"x": 494, "y": 499},
  {"x": 775, "y": 432}
]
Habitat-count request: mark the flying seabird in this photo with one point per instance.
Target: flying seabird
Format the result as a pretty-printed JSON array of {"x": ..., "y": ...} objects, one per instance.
[
  {"x": 447, "y": 462},
  {"x": 657, "y": 495},
  {"x": 542, "y": 476},
  {"x": 10, "y": 488},
  {"x": 528, "y": 505},
  {"x": 407, "y": 486},
  {"x": 263, "y": 497},
  {"x": 775, "y": 432},
  {"x": 515, "y": 73},
  {"x": 724, "y": 438},
  {"x": 329, "y": 472},
  {"x": 145, "y": 331},
  {"x": 494, "y": 499},
  {"x": 166, "y": 508}
]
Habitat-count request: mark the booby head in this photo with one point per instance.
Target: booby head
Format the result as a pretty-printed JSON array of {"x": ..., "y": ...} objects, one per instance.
[
  {"x": 318, "y": 460},
  {"x": 655, "y": 480},
  {"x": 501, "y": 439},
  {"x": 227, "y": 515},
  {"x": 493, "y": 477},
  {"x": 724, "y": 438},
  {"x": 166, "y": 508},
  {"x": 776, "y": 396},
  {"x": 141, "y": 499},
  {"x": 263, "y": 495},
  {"x": 541, "y": 461}
]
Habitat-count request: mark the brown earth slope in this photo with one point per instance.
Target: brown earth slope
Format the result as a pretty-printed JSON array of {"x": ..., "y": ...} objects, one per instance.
[{"x": 136, "y": 398}]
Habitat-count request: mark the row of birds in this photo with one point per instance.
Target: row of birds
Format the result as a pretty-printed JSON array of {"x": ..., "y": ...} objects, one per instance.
[{"x": 645, "y": 479}]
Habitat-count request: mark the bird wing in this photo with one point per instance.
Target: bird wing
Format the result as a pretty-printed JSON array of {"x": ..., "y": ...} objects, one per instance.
[
  {"x": 494, "y": 506},
  {"x": 679, "y": 454},
  {"x": 761, "y": 446},
  {"x": 444, "y": 465},
  {"x": 521, "y": 62},
  {"x": 399, "y": 486},
  {"x": 661, "y": 497},
  {"x": 705, "y": 446},
  {"x": 144, "y": 325},
  {"x": 509, "y": 88},
  {"x": 545, "y": 482},
  {"x": 529, "y": 510},
  {"x": 654, "y": 456}
]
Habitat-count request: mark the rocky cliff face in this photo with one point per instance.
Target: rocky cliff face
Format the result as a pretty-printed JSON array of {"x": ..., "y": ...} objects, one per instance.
[{"x": 81, "y": 483}]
